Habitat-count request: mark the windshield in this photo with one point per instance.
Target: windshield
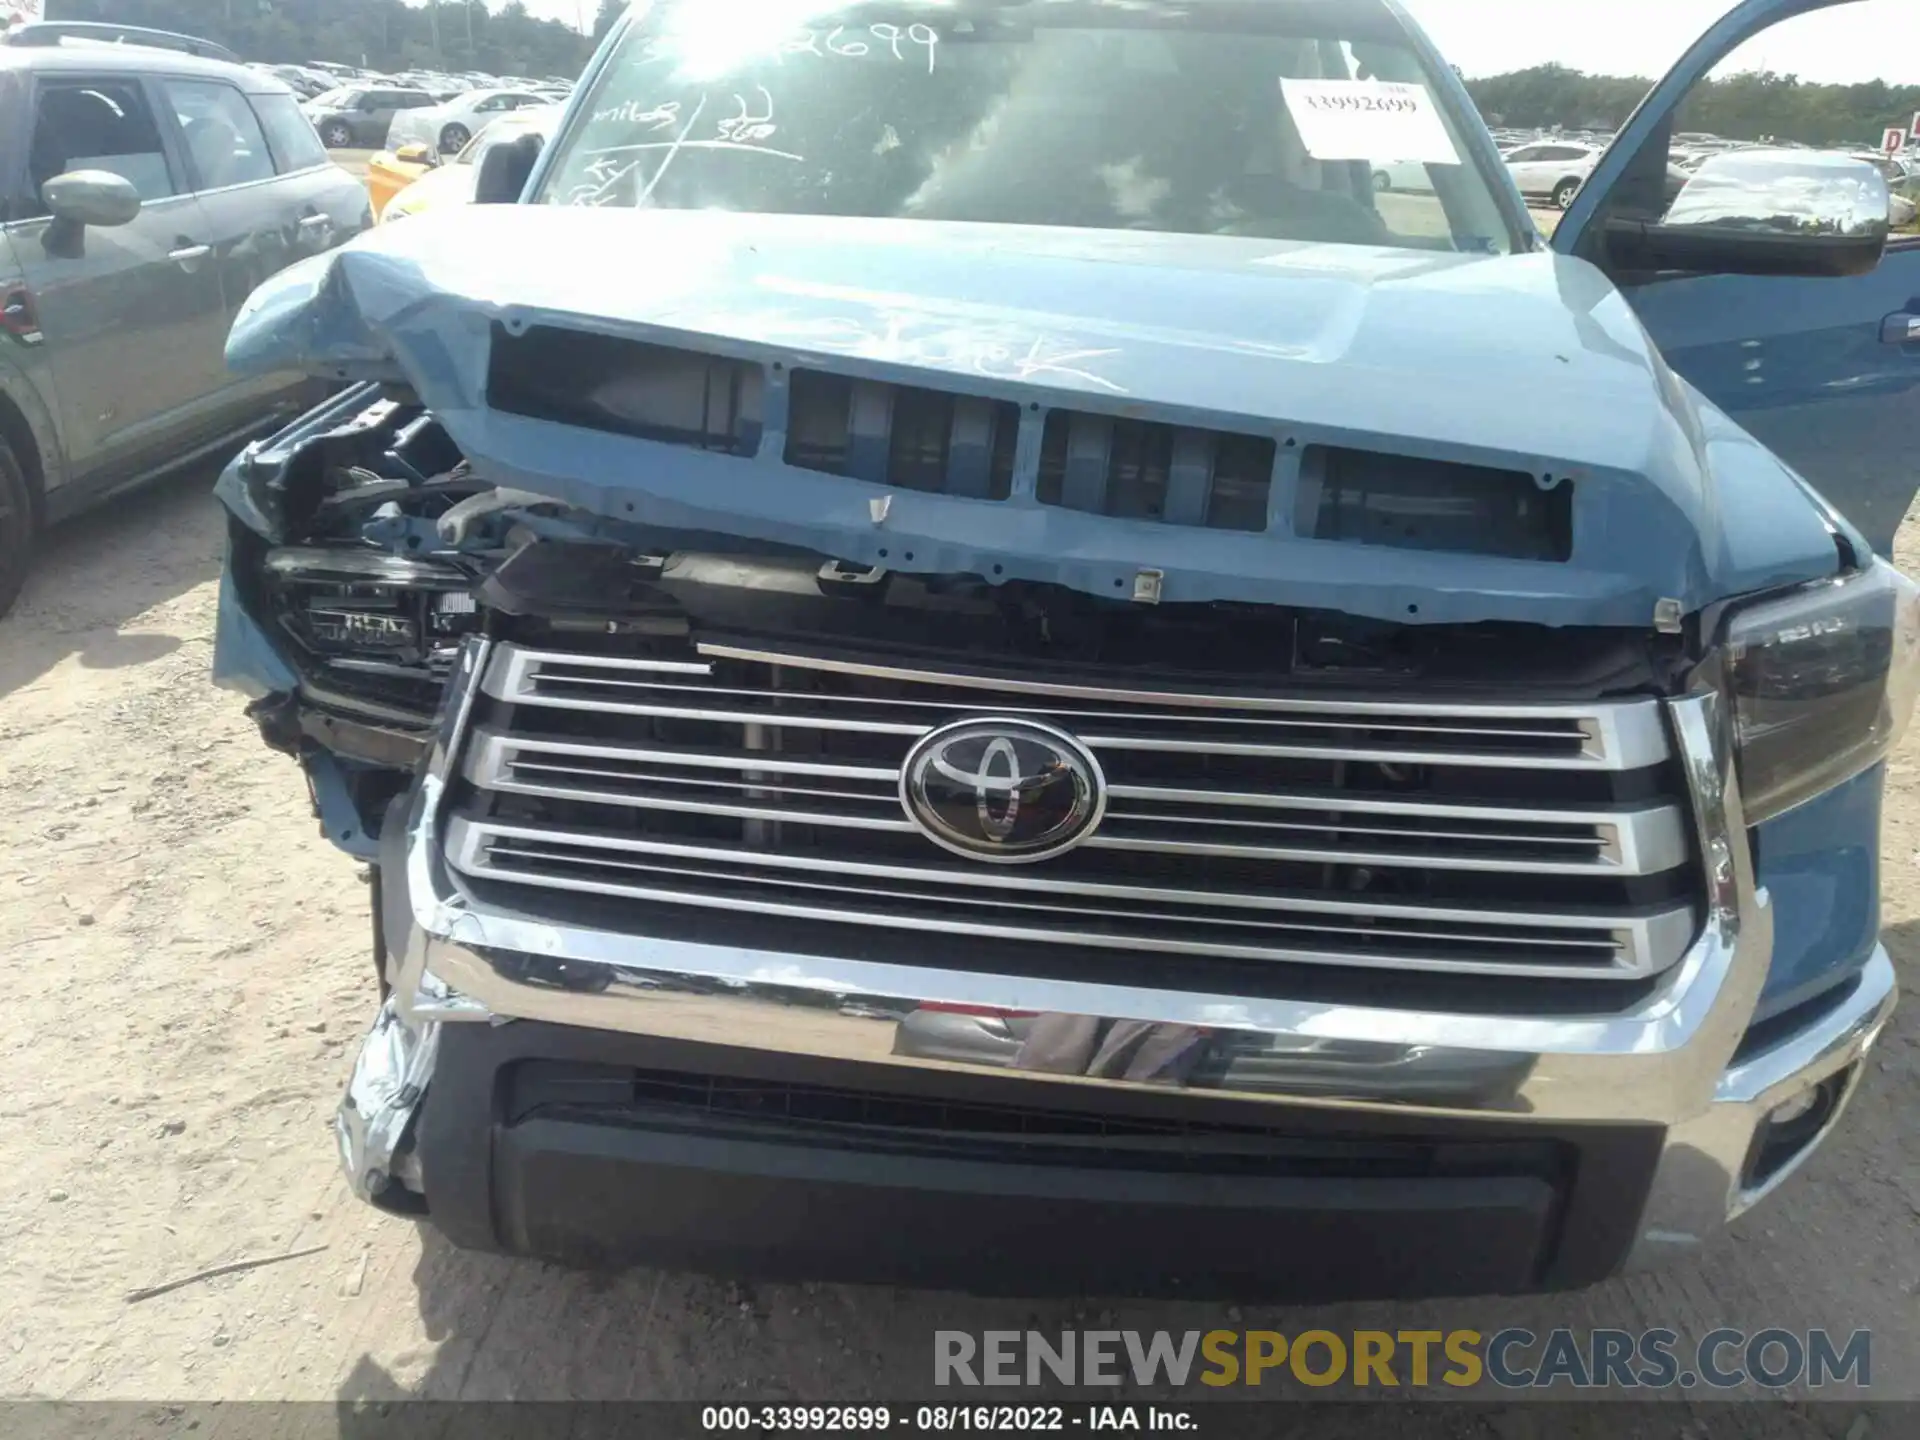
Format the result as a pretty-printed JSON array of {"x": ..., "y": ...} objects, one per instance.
[
  {"x": 335, "y": 99},
  {"x": 1292, "y": 120}
]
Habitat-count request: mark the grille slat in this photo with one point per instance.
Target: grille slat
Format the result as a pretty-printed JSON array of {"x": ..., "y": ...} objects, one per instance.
[
  {"x": 1545, "y": 841},
  {"x": 1244, "y": 927},
  {"x": 1240, "y": 826},
  {"x": 1617, "y": 738}
]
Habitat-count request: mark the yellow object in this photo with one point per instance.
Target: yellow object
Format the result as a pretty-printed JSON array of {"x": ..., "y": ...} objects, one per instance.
[
  {"x": 448, "y": 184},
  {"x": 390, "y": 173}
]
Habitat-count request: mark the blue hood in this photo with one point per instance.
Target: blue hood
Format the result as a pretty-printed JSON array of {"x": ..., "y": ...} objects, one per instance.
[{"x": 1530, "y": 362}]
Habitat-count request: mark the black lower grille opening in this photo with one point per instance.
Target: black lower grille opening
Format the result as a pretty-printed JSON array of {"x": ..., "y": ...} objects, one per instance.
[{"x": 1010, "y": 1131}]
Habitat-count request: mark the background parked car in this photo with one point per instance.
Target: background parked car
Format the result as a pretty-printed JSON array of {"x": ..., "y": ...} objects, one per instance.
[
  {"x": 1403, "y": 175},
  {"x": 1902, "y": 181},
  {"x": 361, "y": 115},
  {"x": 156, "y": 190},
  {"x": 303, "y": 82},
  {"x": 1552, "y": 170},
  {"x": 448, "y": 127}
]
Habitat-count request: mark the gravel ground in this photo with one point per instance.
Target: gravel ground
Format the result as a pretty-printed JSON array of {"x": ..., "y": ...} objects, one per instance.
[{"x": 187, "y": 968}]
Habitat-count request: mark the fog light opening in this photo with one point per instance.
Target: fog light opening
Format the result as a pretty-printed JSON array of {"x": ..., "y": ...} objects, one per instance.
[{"x": 1792, "y": 1127}]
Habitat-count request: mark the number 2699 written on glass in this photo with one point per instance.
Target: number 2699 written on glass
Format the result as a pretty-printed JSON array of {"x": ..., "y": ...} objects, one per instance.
[{"x": 852, "y": 42}]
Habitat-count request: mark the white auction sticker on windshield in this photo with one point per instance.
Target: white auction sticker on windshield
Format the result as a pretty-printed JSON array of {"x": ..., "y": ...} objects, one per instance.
[{"x": 1377, "y": 120}]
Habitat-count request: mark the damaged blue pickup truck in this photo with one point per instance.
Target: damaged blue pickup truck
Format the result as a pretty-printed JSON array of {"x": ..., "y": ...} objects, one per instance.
[{"x": 962, "y": 657}]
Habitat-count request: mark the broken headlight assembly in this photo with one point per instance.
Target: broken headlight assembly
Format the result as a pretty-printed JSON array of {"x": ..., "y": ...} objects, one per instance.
[
  {"x": 372, "y": 614},
  {"x": 1823, "y": 683}
]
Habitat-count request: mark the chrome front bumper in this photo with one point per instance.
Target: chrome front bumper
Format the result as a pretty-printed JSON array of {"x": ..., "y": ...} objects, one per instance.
[{"x": 1668, "y": 1059}]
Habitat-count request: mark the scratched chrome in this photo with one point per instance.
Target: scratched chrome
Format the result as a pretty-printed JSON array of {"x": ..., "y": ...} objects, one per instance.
[
  {"x": 1656, "y": 1057},
  {"x": 749, "y": 777},
  {"x": 1666, "y": 1059},
  {"x": 1624, "y": 735}
]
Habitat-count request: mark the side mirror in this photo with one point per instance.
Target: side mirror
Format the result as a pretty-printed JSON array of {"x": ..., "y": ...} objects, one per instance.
[
  {"x": 415, "y": 154},
  {"x": 1767, "y": 212},
  {"x": 91, "y": 197},
  {"x": 504, "y": 170}
]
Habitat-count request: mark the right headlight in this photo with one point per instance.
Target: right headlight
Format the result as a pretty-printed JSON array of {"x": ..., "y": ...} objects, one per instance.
[{"x": 1823, "y": 683}]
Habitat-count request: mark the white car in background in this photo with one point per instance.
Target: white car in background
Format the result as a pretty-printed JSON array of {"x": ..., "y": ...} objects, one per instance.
[
  {"x": 1403, "y": 175},
  {"x": 1902, "y": 182},
  {"x": 446, "y": 128},
  {"x": 1552, "y": 169}
]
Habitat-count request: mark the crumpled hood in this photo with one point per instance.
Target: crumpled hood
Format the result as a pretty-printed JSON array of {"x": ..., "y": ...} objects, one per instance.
[{"x": 1530, "y": 362}]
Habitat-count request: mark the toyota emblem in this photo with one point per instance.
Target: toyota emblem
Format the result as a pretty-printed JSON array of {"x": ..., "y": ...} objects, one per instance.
[{"x": 1006, "y": 791}]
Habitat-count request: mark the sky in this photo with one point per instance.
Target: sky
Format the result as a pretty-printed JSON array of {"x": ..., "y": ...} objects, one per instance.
[{"x": 1866, "y": 40}]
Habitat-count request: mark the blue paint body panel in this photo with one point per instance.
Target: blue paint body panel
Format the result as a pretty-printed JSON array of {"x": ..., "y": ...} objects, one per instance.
[
  {"x": 245, "y": 658},
  {"x": 340, "y": 818},
  {"x": 1821, "y": 862},
  {"x": 1529, "y": 362}
]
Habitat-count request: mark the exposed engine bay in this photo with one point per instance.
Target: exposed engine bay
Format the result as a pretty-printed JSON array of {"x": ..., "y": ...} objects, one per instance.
[{"x": 368, "y": 549}]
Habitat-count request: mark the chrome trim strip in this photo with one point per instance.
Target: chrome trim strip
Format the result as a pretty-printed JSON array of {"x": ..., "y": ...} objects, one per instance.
[
  {"x": 1487, "y": 759},
  {"x": 1636, "y": 942},
  {"x": 1833, "y": 1044},
  {"x": 1603, "y": 864},
  {"x": 1275, "y": 724},
  {"x": 1640, "y": 943},
  {"x": 1643, "y": 842},
  {"x": 1655, "y": 1059},
  {"x": 1186, "y": 699},
  {"x": 1700, "y": 1185},
  {"x": 490, "y": 767},
  {"x": 519, "y": 669},
  {"x": 764, "y": 761},
  {"x": 1007, "y": 878},
  {"x": 1615, "y": 736}
]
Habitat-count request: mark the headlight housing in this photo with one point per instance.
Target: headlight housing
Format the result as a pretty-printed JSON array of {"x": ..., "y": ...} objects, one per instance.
[{"x": 1823, "y": 683}]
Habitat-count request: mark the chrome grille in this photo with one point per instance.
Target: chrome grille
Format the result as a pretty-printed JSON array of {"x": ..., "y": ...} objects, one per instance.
[{"x": 1239, "y": 826}]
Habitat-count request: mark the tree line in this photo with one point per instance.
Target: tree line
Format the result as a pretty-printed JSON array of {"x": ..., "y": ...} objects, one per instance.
[
  {"x": 382, "y": 35},
  {"x": 1756, "y": 105}
]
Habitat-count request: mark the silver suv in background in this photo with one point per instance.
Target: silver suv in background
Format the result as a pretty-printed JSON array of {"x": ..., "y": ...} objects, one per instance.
[{"x": 144, "y": 192}]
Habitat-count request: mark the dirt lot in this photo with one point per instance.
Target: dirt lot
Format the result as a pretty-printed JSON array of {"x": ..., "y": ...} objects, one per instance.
[{"x": 186, "y": 965}]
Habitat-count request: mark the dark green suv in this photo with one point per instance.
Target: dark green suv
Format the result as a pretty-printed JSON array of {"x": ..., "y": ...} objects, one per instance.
[{"x": 144, "y": 192}]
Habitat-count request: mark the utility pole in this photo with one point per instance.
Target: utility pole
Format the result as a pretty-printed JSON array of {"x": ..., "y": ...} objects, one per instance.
[
  {"x": 467, "y": 6},
  {"x": 433, "y": 23}
]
